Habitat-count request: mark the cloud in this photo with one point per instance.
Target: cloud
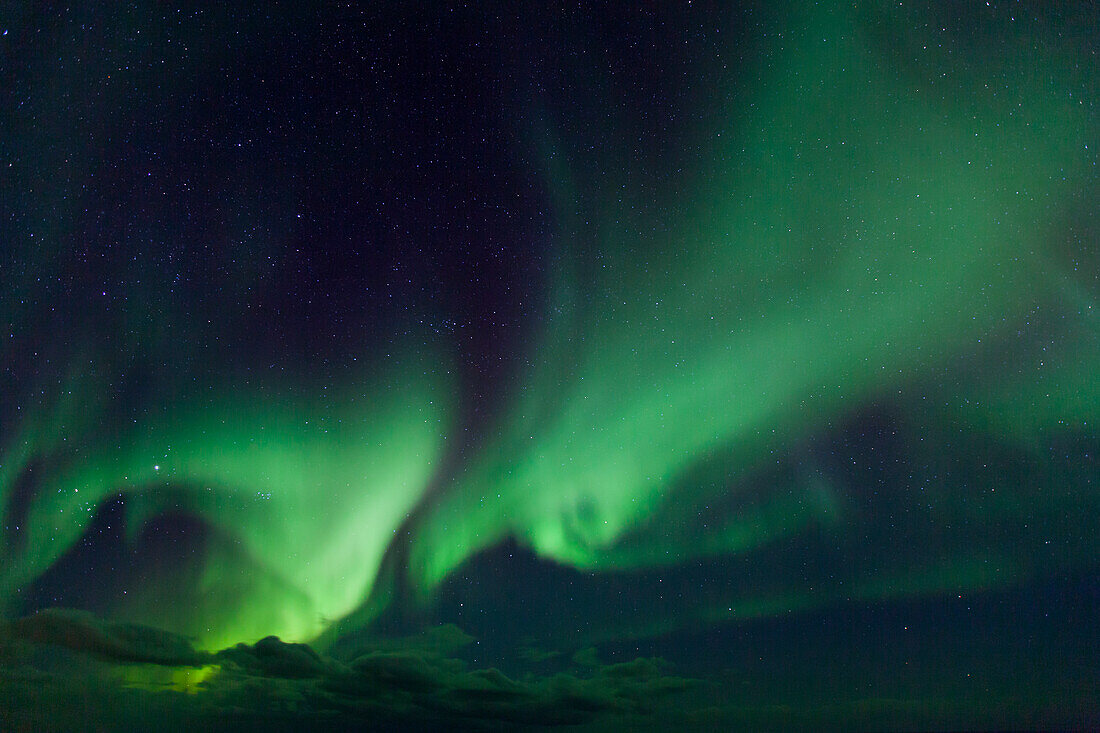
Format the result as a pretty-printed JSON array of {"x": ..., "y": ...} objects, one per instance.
[
  {"x": 67, "y": 670},
  {"x": 444, "y": 687},
  {"x": 83, "y": 632},
  {"x": 415, "y": 683},
  {"x": 273, "y": 657},
  {"x": 586, "y": 657}
]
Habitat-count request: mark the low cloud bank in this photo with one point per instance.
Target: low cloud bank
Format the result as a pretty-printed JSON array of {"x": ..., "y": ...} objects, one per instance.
[{"x": 62, "y": 668}]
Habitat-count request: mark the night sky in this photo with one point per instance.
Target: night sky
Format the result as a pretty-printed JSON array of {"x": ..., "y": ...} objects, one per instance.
[{"x": 590, "y": 367}]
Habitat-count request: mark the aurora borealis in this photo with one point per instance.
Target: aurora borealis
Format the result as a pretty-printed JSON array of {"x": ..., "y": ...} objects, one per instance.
[{"x": 593, "y": 368}]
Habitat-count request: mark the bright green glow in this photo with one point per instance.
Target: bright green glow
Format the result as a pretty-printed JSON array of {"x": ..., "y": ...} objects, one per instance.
[
  {"x": 850, "y": 227},
  {"x": 305, "y": 493},
  {"x": 858, "y": 232},
  {"x": 180, "y": 679}
]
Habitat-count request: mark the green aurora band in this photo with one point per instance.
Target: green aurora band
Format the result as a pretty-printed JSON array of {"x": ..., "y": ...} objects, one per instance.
[
  {"x": 307, "y": 494},
  {"x": 851, "y": 238},
  {"x": 845, "y": 249}
]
